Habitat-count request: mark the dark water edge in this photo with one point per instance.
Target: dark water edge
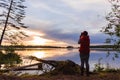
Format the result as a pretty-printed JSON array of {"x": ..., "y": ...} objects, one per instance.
[{"x": 98, "y": 48}]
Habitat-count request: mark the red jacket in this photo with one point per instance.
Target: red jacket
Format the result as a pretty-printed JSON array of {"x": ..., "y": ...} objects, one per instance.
[{"x": 84, "y": 44}]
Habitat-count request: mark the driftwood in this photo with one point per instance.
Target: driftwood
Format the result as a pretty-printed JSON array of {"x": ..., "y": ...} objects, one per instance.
[
  {"x": 51, "y": 66},
  {"x": 25, "y": 67},
  {"x": 60, "y": 67}
]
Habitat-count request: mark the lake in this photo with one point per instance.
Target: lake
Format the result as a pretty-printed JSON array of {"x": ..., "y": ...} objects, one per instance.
[{"x": 72, "y": 54}]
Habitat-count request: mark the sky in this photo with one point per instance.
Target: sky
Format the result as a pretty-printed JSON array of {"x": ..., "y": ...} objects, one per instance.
[{"x": 60, "y": 22}]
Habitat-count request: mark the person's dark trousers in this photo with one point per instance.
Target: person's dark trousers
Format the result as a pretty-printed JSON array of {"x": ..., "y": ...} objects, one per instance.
[{"x": 84, "y": 60}]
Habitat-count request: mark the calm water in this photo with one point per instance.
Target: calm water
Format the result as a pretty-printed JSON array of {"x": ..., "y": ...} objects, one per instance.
[{"x": 72, "y": 54}]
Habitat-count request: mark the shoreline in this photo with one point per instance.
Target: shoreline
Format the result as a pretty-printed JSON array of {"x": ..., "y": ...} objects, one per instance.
[{"x": 94, "y": 76}]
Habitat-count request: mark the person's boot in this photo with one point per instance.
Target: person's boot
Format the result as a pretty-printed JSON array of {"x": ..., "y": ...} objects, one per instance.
[
  {"x": 82, "y": 71},
  {"x": 87, "y": 72}
]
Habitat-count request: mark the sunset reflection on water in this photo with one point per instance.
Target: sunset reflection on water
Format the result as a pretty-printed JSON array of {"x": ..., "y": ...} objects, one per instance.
[
  {"x": 39, "y": 54},
  {"x": 68, "y": 54},
  {"x": 44, "y": 53}
]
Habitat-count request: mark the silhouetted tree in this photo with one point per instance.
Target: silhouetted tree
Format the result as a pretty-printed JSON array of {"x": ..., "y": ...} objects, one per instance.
[
  {"x": 113, "y": 26},
  {"x": 12, "y": 12}
]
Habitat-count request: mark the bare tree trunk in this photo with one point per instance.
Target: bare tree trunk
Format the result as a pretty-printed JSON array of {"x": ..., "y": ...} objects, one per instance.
[{"x": 6, "y": 22}]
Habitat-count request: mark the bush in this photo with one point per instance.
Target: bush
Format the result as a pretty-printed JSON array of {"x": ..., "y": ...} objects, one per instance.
[{"x": 9, "y": 58}]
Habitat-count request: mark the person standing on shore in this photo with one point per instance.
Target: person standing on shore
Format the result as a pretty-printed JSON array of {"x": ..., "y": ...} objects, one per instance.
[{"x": 84, "y": 50}]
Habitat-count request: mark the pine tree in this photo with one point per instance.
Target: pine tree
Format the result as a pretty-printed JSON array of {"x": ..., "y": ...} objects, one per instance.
[{"x": 12, "y": 13}]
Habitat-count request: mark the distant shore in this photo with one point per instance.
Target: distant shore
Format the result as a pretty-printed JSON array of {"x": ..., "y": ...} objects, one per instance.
[{"x": 96, "y": 47}]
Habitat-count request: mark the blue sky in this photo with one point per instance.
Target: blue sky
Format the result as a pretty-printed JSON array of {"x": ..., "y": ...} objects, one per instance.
[{"x": 64, "y": 20}]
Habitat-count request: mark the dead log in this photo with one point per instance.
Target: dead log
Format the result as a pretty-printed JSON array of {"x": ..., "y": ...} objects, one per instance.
[
  {"x": 24, "y": 67},
  {"x": 60, "y": 67}
]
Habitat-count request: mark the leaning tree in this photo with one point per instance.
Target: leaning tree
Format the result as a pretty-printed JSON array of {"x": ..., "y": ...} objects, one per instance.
[
  {"x": 113, "y": 26},
  {"x": 11, "y": 14}
]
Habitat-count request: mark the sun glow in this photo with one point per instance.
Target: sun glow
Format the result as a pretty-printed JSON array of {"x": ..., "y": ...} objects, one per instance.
[
  {"x": 39, "y": 54},
  {"x": 39, "y": 41}
]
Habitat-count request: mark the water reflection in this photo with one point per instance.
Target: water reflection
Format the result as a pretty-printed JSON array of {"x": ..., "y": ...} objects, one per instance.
[
  {"x": 65, "y": 54},
  {"x": 44, "y": 53},
  {"x": 39, "y": 54}
]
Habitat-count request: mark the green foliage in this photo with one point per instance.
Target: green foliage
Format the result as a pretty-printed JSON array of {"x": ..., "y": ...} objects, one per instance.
[
  {"x": 113, "y": 26},
  {"x": 9, "y": 58},
  {"x": 112, "y": 70},
  {"x": 2, "y": 57},
  {"x": 98, "y": 66}
]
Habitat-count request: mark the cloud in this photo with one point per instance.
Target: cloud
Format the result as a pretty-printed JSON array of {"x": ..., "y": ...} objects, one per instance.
[
  {"x": 82, "y": 5},
  {"x": 65, "y": 19},
  {"x": 72, "y": 38},
  {"x": 50, "y": 6}
]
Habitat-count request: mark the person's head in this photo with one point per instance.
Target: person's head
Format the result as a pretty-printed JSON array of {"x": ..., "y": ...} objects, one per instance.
[{"x": 85, "y": 33}]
